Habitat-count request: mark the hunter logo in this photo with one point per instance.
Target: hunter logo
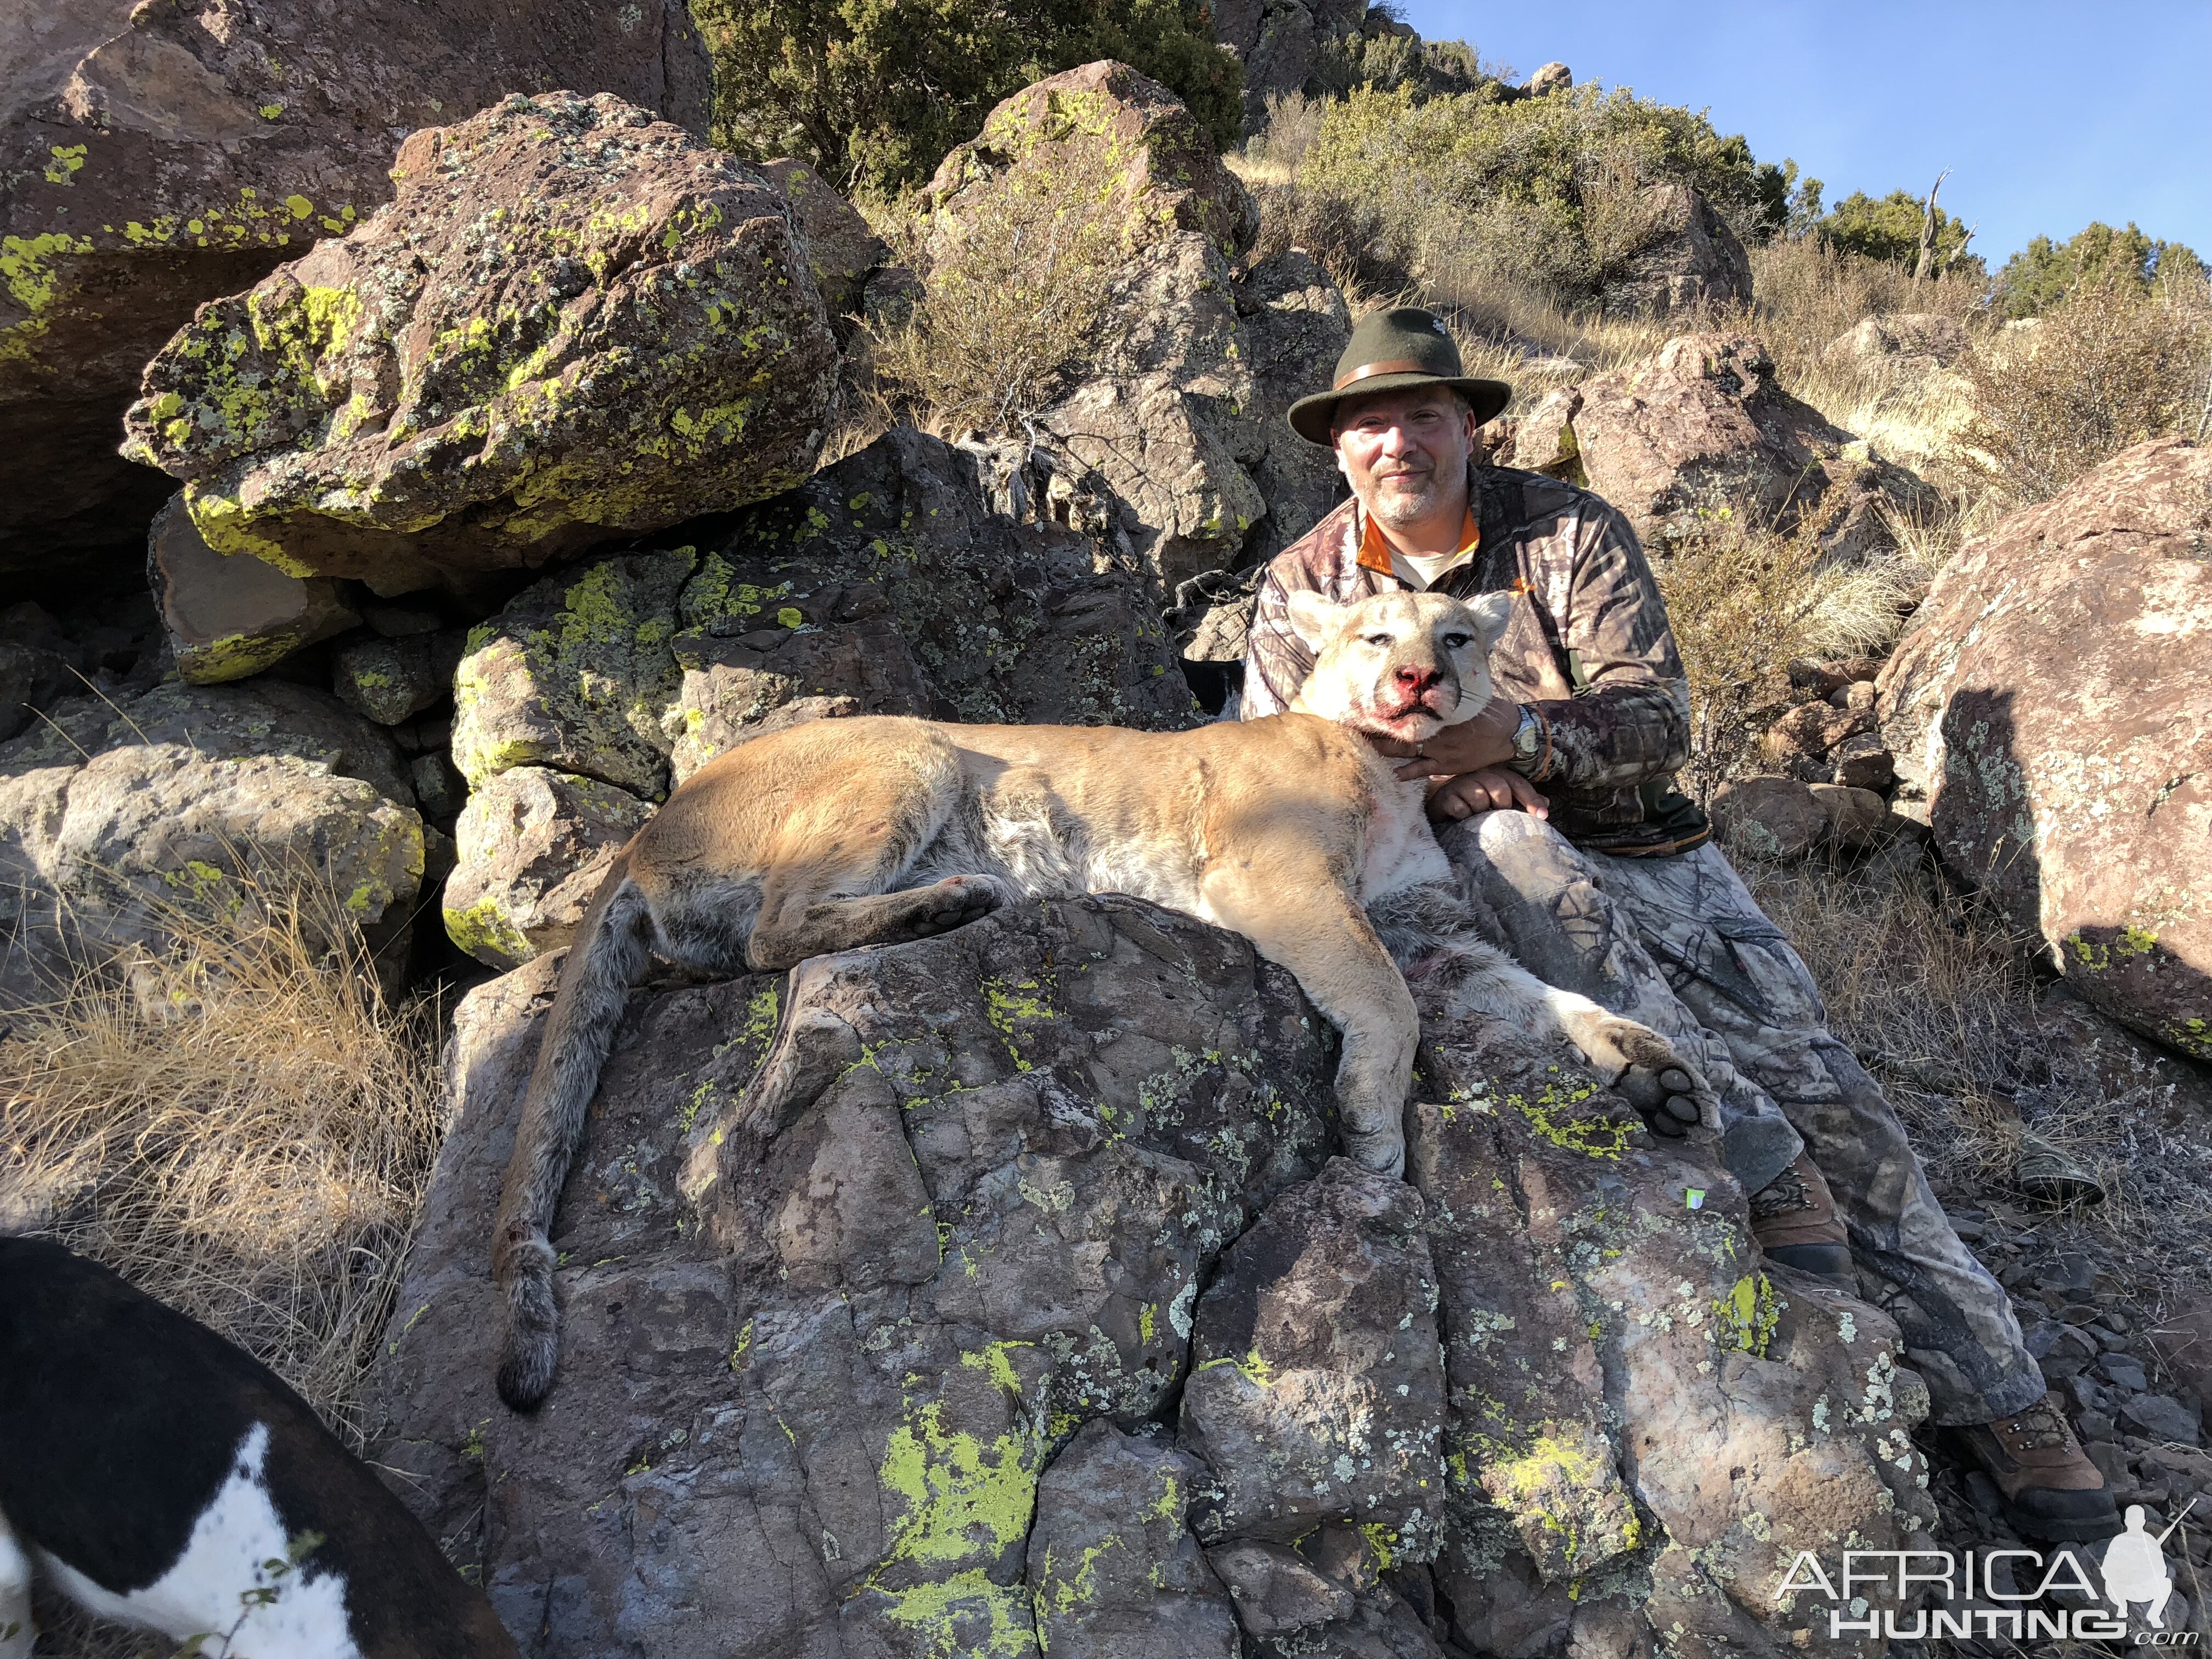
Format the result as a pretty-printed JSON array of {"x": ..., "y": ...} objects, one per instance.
[{"x": 1967, "y": 1593}]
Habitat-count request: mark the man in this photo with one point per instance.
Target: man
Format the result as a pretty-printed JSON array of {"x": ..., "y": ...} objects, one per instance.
[{"x": 1562, "y": 819}]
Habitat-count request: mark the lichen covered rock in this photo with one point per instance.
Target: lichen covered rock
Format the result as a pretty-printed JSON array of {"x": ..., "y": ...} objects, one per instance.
[
  {"x": 2048, "y": 719},
  {"x": 154, "y": 157},
  {"x": 884, "y": 1281},
  {"x": 841, "y": 252},
  {"x": 1316, "y": 1388},
  {"x": 121, "y": 819},
  {"x": 572, "y": 322},
  {"x": 1010, "y": 617},
  {"x": 575, "y": 673},
  {"x": 531, "y": 849}
]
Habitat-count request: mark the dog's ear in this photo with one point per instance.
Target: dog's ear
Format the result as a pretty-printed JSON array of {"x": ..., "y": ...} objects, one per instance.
[
  {"x": 1492, "y": 612},
  {"x": 1315, "y": 618}
]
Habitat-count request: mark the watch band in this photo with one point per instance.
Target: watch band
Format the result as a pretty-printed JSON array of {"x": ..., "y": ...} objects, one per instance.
[{"x": 1528, "y": 741}]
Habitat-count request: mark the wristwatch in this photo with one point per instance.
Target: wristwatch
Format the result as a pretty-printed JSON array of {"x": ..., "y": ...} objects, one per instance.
[{"x": 1528, "y": 740}]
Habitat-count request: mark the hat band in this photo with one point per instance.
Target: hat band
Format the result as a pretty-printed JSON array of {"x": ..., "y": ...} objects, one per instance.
[{"x": 1395, "y": 366}]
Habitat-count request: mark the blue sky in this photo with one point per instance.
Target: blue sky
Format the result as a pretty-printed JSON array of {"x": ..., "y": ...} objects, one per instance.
[{"x": 2048, "y": 115}]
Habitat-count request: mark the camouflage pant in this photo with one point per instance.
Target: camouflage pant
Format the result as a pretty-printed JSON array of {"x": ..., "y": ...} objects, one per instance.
[{"x": 1678, "y": 943}]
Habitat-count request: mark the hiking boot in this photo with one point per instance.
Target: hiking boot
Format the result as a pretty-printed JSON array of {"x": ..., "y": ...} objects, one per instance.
[
  {"x": 1794, "y": 1218},
  {"x": 2051, "y": 1490}
]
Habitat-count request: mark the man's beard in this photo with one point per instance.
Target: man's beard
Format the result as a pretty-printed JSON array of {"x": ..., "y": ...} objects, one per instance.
[{"x": 1404, "y": 499}]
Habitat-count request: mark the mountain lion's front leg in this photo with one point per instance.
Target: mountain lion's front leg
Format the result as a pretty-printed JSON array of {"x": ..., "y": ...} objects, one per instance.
[{"x": 1314, "y": 927}]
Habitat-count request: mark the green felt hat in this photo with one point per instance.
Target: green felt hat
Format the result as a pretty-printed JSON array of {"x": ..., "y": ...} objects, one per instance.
[{"x": 1390, "y": 351}]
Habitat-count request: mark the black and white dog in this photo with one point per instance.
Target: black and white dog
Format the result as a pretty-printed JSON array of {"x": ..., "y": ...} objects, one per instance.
[{"x": 155, "y": 1474}]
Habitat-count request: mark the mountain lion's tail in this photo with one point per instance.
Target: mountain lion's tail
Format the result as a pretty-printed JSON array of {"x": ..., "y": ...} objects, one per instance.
[{"x": 609, "y": 955}]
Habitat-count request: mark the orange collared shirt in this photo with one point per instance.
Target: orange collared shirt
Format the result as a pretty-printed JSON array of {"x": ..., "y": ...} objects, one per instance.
[{"x": 1375, "y": 549}]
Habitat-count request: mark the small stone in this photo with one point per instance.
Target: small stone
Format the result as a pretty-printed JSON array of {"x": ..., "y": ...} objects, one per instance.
[
  {"x": 2123, "y": 1372},
  {"x": 2162, "y": 1417},
  {"x": 2093, "y": 1425},
  {"x": 1856, "y": 818},
  {"x": 439, "y": 791},
  {"x": 1551, "y": 78},
  {"x": 1770, "y": 816},
  {"x": 391, "y": 679},
  {"x": 533, "y": 847},
  {"x": 1863, "y": 762},
  {"x": 1276, "y": 1590}
]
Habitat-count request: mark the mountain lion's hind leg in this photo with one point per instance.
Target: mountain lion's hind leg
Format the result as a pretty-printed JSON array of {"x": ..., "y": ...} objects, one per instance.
[
  {"x": 1331, "y": 948},
  {"x": 827, "y": 884}
]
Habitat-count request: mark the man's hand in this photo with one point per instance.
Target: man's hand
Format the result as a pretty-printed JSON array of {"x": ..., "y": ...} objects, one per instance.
[
  {"x": 1469, "y": 746},
  {"x": 1490, "y": 789}
]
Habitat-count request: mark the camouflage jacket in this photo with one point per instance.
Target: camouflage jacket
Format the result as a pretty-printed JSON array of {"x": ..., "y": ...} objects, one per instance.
[{"x": 1588, "y": 647}]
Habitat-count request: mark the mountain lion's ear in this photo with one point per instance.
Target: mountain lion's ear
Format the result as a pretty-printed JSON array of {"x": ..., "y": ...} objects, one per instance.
[
  {"x": 1492, "y": 612},
  {"x": 1316, "y": 619}
]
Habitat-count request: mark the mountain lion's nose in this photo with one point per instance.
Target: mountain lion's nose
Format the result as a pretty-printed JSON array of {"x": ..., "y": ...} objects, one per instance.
[{"x": 1416, "y": 680}]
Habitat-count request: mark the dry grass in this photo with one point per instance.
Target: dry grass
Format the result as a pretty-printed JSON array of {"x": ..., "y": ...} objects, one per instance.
[
  {"x": 242, "y": 1128},
  {"x": 1932, "y": 992},
  {"x": 1745, "y": 601}
]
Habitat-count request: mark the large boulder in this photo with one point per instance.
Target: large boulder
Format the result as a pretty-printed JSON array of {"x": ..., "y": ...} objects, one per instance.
[
  {"x": 1704, "y": 424},
  {"x": 154, "y": 157},
  {"x": 997, "y": 1290},
  {"x": 123, "y": 819},
  {"x": 1692, "y": 262},
  {"x": 1179, "y": 408},
  {"x": 572, "y": 322},
  {"x": 2048, "y": 718}
]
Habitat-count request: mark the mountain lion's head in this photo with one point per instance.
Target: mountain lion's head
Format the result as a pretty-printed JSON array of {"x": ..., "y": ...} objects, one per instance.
[{"x": 1399, "y": 665}]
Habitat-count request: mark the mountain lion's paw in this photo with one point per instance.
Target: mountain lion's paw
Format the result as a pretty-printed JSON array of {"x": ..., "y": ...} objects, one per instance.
[{"x": 954, "y": 902}]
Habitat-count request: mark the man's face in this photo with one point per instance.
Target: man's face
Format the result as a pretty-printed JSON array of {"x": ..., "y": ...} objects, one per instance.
[{"x": 1403, "y": 450}]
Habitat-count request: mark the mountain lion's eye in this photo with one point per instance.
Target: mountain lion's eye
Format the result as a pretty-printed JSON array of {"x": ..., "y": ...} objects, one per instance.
[
  {"x": 1458, "y": 642},
  {"x": 1378, "y": 639}
]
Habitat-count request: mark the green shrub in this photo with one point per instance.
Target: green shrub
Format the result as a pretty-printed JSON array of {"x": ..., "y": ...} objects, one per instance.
[
  {"x": 2106, "y": 367},
  {"x": 1889, "y": 230},
  {"x": 2043, "y": 273},
  {"x": 1013, "y": 292},
  {"x": 872, "y": 93},
  {"x": 1547, "y": 191}
]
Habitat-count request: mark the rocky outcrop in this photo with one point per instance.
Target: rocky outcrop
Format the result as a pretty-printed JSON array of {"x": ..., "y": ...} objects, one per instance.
[
  {"x": 2047, "y": 716},
  {"x": 152, "y": 158},
  {"x": 1282, "y": 43},
  {"x": 122, "y": 818},
  {"x": 1178, "y": 414},
  {"x": 572, "y": 322},
  {"x": 896, "y": 582},
  {"x": 1702, "y": 425},
  {"x": 1692, "y": 262},
  {"x": 999, "y": 1290}
]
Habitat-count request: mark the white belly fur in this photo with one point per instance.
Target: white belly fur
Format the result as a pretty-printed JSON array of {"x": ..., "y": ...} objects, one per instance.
[{"x": 212, "y": 1587}]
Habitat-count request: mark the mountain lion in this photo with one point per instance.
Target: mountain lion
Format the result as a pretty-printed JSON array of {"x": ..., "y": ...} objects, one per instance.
[{"x": 843, "y": 833}]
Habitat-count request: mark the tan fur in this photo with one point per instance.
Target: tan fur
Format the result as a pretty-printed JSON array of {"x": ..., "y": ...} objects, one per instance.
[{"x": 847, "y": 832}]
